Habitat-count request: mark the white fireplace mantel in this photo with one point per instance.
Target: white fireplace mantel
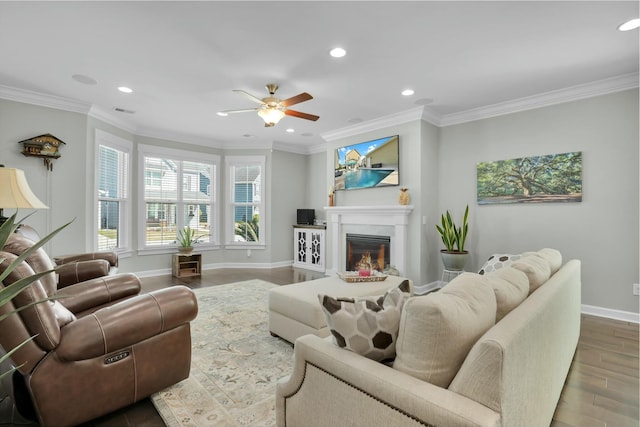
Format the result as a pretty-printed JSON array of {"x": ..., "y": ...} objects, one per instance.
[{"x": 394, "y": 216}]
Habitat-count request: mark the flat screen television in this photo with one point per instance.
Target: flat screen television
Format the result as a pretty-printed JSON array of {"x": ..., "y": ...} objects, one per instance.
[{"x": 368, "y": 164}]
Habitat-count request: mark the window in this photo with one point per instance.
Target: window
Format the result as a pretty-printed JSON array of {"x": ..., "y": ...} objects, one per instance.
[
  {"x": 245, "y": 201},
  {"x": 112, "y": 231},
  {"x": 179, "y": 190}
]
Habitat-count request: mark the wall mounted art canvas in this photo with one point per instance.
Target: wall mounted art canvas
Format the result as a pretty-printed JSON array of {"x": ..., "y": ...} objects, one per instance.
[
  {"x": 367, "y": 164},
  {"x": 539, "y": 179}
]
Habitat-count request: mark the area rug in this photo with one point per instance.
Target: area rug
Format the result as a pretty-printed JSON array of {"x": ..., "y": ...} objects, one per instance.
[{"x": 235, "y": 362}]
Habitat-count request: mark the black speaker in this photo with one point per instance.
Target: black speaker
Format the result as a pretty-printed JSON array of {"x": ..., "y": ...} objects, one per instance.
[{"x": 306, "y": 216}]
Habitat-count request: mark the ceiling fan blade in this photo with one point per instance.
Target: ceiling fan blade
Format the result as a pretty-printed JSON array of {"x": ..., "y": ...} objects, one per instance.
[
  {"x": 304, "y": 96},
  {"x": 300, "y": 115},
  {"x": 248, "y": 95},
  {"x": 246, "y": 110}
]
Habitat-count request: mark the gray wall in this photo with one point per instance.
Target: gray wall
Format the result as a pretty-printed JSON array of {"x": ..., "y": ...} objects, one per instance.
[
  {"x": 602, "y": 230},
  {"x": 68, "y": 189},
  {"x": 438, "y": 165}
]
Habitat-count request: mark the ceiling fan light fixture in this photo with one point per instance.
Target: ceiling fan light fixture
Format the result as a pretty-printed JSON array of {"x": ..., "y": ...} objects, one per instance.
[{"x": 271, "y": 116}]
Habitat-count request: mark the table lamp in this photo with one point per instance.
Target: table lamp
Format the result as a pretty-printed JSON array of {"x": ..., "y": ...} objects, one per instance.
[{"x": 15, "y": 192}]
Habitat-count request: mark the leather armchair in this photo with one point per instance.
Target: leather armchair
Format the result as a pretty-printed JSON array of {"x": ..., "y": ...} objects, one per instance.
[
  {"x": 66, "y": 274},
  {"x": 89, "y": 356},
  {"x": 75, "y": 268}
]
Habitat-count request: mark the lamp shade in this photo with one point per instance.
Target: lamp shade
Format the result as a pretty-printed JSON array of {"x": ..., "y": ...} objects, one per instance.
[
  {"x": 271, "y": 115},
  {"x": 15, "y": 191}
]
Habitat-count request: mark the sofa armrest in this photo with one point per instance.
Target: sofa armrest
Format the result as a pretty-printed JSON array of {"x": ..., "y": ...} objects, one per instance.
[
  {"x": 76, "y": 272},
  {"x": 127, "y": 323},
  {"x": 366, "y": 393},
  {"x": 109, "y": 256},
  {"x": 97, "y": 292}
]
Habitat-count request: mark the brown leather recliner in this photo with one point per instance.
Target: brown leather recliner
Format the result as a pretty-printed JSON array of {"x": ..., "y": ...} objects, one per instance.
[
  {"x": 91, "y": 355},
  {"x": 76, "y": 268}
]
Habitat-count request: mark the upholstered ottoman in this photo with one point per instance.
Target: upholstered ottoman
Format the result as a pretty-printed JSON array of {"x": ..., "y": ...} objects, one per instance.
[{"x": 294, "y": 309}]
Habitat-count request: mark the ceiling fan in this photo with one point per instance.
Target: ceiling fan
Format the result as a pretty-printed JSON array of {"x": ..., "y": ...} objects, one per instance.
[{"x": 272, "y": 109}]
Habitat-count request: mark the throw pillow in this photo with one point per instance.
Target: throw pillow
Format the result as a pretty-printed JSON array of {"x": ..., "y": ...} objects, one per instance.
[
  {"x": 63, "y": 315},
  {"x": 497, "y": 261},
  {"x": 438, "y": 330},
  {"x": 366, "y": 325},
  {"x": 536, "y": 268},
  {"x": 553, "y": 257},
  {"x": 511, "y": 287}
]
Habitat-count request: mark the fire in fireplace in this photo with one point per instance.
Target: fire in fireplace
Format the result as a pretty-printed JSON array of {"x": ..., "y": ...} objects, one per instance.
[{"x": 367, "y": 252}]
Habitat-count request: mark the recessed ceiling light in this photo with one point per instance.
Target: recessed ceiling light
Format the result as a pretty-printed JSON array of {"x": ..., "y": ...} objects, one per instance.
[
  {"x": 248, "y": 135},
  {"x": 307, "y": 134},
  {"x": 632, "y": 24},
  {"x": 408, "y": 92},
  {"x": 81, "y": 78},
  {"x": 222, "y": 114},
  {"x": 291, "y": 130},
  {"x": 125, "y": 89},
  {"x": 337, "y": 52}
]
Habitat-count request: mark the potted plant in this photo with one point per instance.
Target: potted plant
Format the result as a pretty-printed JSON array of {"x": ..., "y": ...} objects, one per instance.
[
  {"x": 454, "y": 257},
  {"x": 187, "y": 238}
]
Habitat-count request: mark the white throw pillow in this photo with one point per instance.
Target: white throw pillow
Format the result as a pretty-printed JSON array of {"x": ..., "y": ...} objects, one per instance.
[
  {"x": 367, "y": 325},
  {"x": 438, "y": 330},
  {"x": 536, "y": 268},
  {"x": 511, "y": 287}
]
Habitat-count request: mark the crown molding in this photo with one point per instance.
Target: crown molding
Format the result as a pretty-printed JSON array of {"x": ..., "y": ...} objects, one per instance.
[
  {"x": 105, "y": 116},
  {"x": 572, "y": 93},
  {"x": 43, "y": 99},
  {"x": 375, "y": 124}
]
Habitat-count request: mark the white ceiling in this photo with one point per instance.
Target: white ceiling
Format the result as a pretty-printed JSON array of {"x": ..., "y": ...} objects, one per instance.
[{"x": 184, "y": 58}]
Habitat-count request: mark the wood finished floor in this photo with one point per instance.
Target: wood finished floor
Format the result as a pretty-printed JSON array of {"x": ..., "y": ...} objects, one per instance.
[{"x": 602, "y": 388}]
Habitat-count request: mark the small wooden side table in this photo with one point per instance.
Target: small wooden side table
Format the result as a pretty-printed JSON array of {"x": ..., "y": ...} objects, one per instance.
[{"x": 186, "y": 265}]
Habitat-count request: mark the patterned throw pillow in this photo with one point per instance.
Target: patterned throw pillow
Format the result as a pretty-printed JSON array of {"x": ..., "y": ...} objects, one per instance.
[
  {"x": 367, "y": 325},
  {"x": 497, "y": 261}
]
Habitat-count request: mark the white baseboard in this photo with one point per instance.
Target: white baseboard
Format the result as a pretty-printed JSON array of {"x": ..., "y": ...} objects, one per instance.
[
  {"x": 625, "y": 316},
  {"x": 164, "y": 271}
]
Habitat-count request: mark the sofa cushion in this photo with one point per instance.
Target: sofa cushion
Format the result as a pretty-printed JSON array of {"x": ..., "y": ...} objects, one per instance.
[
  {"x": 497, "y": 261},
  {"x": 367, "y": 325},
  {"x": 552, "y": 256},
  {"x": 438, "y": 330},
  {"x": 511, "y": 287},
  {"x": 536, "y": 268}
]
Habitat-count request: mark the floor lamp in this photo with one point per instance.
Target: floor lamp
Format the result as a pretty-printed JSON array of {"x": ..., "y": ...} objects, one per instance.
[{"x": 15, "y": 192}]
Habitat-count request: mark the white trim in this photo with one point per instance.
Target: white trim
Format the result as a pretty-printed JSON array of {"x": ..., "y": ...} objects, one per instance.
[
  {"x": 126, "y": 233},
  {"x": 560, "y": 96},
  {"x": 229, "y": 229},
  {"x": 104, "y": 116},
  {"x": 610, "y": 313},
  {"x": 43, "y": 99},
  {"x": 217, "y": 266},
  {"x": 178, "y": 155},
  {"x": 394, "y": 119},
  {"x": 396, "y": 217}
]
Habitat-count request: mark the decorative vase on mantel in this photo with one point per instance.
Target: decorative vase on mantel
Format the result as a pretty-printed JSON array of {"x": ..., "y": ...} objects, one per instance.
[{"x": 404, "y": 197}]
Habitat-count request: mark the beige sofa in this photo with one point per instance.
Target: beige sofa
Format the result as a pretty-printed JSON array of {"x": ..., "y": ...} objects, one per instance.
[{"x": 511, "y": 376}]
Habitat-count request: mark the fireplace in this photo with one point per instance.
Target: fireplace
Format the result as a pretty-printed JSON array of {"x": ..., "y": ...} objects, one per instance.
[
  {"x": 367, "y": 252},
  {"x": 388, "y": 220}
]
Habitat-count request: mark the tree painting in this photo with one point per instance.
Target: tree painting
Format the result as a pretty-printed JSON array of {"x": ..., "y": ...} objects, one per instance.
[{"x": 549, "y": 178}]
